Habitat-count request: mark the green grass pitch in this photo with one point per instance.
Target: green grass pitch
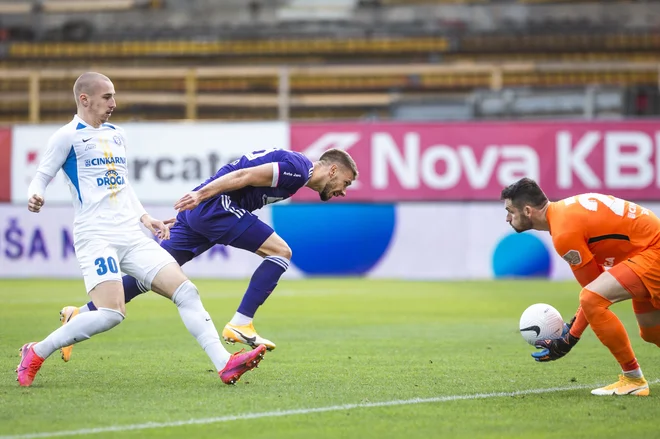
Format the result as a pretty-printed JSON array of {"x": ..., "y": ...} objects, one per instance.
[{"x": 340, "y": 342}]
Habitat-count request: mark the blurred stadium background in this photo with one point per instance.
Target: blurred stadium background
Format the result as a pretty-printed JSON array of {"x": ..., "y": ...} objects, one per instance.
[
  {"x": 335, "y": 59},
  {"x": 441, "y": 102}
]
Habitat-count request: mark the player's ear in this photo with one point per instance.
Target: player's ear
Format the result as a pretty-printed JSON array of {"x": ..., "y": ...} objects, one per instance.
[
  {"x": 527, "y": 211},
  {"x": 333, "y": 169}
]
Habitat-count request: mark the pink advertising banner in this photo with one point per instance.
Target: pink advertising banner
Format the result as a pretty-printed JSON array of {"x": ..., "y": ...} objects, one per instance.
[{"x": 474, "y": 161}]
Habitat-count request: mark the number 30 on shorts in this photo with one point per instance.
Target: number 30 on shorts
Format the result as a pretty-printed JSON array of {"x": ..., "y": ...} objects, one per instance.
[{"x": 103, "y": 267}]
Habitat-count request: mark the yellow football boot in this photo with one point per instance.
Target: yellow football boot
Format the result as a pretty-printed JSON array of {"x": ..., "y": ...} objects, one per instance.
[
  {"x": 625, "y": 386},
  {"x": 247, "y": 335},
  {"x": 67, "y": 313}
]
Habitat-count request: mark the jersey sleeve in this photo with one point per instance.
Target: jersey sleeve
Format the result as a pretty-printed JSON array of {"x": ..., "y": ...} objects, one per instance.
[
  {"x": 57, "y": 150},
  {"x": 292, "y": 173},
  {"x": 573, "y": 248}
]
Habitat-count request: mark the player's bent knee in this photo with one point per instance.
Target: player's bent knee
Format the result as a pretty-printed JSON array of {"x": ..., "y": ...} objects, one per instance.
[
  {"x": 118, "y": 308},
  {"x": 584, "y": 298},
  {"x": 168, "y": 279},
  {"x": 282, "y": 249},
  {"x": 111, "y": 317},
  {"x": 186, "y": 293},
  {"x": 109, "y": 295},
  {"x": 592, "y": 303},
  {"x": 650, "y": 334},
  {"x": 285, "y": 251},
  {"x": 275, "y": 246}
]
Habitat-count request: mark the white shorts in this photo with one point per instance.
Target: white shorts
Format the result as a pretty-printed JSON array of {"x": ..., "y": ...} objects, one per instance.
[{"x": 105, "y": 258}]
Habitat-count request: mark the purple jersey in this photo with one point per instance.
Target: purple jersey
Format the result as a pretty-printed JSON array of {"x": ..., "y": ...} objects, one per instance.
[{"x": 291, "y": 171}]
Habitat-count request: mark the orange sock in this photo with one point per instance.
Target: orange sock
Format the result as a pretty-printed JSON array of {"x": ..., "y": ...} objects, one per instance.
[
  {"x": 651, "y": 334},
  {"x": 608, "y": 328}
]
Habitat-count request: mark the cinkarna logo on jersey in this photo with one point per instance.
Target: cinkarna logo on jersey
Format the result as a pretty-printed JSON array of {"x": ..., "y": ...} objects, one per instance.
[{"x": 103, "y": 161}]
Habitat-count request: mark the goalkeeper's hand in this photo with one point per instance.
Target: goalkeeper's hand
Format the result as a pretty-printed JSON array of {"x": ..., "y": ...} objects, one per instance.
[{"x": 555, "y": 349}]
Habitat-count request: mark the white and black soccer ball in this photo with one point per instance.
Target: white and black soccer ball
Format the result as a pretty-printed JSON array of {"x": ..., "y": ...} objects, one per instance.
[{"x": 540, "y": 322}]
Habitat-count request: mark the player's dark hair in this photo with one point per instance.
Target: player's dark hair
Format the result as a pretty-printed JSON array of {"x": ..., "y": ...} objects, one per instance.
[
  {"x": 342, "y": 158},
  {"x": 524, "y": 192}
]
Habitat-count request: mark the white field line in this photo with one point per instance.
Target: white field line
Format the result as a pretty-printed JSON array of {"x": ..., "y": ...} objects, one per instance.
[{"x": 302, "y": 411}]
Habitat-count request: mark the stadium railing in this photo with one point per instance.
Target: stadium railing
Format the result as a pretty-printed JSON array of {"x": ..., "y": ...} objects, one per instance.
[{"x": 25, "y": 90}]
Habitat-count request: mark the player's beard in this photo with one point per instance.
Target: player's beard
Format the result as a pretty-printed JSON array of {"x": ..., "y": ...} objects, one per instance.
[
  {"x": 325, "y": 193},
  {"x": 525, "y": 224}
]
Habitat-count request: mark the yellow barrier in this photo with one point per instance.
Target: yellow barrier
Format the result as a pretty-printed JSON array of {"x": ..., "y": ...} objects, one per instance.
[{"x": 556, "y": 43}]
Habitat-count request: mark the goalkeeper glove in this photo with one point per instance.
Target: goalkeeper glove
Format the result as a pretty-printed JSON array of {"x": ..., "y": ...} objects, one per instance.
[{"x": 557, "y": 348}]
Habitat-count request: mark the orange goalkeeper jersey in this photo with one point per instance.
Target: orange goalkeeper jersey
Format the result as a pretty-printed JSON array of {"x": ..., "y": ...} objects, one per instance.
[{"x": 601, "y": 227}]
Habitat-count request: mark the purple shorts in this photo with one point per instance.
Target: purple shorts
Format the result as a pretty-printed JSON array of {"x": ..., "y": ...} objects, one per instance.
[{"x": 215, "y": 221}]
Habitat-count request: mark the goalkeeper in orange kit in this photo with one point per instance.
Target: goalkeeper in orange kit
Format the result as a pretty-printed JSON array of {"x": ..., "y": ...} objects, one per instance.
[{"x": 593, "y": 232}]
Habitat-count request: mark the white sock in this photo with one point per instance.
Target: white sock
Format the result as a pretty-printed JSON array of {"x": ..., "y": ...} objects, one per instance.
[
  {"x": 81, "y": 328},
  {"x": 199, "y": 323},
  {"x": 637, "y": 373},
  {"x": 240, "y": 319},
  {"x": 83, "y": 309}
]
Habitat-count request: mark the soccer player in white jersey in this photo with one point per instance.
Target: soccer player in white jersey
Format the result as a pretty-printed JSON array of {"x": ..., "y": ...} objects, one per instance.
[{"x": 107, "y": 235}]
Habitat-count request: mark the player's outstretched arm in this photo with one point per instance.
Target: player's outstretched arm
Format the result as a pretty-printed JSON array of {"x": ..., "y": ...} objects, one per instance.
[{"x": 258, "y": 176}]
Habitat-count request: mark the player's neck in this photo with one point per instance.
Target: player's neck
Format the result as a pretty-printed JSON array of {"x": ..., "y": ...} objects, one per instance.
[
  {"x": 541, "y": 222},
  {"x": 89, "y": 119},
  {"x": 315, "y": 181}
]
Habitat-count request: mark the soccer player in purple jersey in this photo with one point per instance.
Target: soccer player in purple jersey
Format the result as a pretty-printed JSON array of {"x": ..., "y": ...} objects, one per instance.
[{"x": 219, "y": 211}]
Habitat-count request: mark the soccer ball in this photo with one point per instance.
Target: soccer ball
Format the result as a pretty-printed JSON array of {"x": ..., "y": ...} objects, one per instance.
[{"x": 540, "y": 322}]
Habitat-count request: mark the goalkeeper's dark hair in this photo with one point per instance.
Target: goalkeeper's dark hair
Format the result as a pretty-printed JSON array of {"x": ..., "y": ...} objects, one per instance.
[{"x": 524, "y": 192}]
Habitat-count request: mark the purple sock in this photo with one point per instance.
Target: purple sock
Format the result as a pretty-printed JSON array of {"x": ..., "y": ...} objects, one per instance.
[
  {"x": 132, "y": 288},
  {"x": 263, "y": 282}
]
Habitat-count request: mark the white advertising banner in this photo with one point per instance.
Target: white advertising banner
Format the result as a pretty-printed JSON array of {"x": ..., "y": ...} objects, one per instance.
[
  {"x": 166, "y": 160},
  {"x": 462, "y": 241},
  {"x": 41, "y": 245}
]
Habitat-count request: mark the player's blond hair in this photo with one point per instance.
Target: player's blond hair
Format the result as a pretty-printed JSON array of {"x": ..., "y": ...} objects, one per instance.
[
  {"x": 86, "y": 83},
  {"x": 340, "y": 157}
]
